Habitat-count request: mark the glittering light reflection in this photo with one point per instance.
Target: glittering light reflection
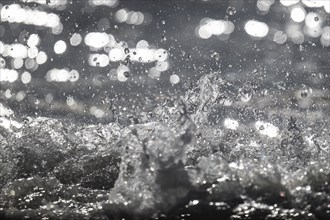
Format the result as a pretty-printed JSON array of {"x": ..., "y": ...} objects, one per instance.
[
  {"x": 313, "y": 20},
  {"x": 2, "y": 47},
  {"x": 298, "y": 14},
  {"x": 154, "y": 73},
  {"x": 161, "y": 55},
  {"x": 57, "y": 29},
  {"x": 8, "y": 124},
  {"x": 8, "y": 93},
  {"x": 256, "y": 28},
  {"x": 327, "y": 6},
  {"x": 20, "y": 96},
  {"x": 280, "y": 37},
  {"x": 204, "y": 32},
  {"x": 229, "y": 27},
  {"x": 264, "y": 5},
  {"x": 313, "y": 32},
  {"x": 142, "y": 44},
  {"x": 141, "y": 55},
  {"x": 30, "y": 64},
  {"x": 41, "y": 58},
  {"x": 131, "y": 17},
  {"x": 2, "y": 63},
  {"x": 101, "y": 60},
  {"x": 70, "y": 101},
  {"x": 17, "y": 63},
  {"x": 57, "y": 4},
  {"x": 33, "y": 52},
  {"x": 109, "y": 3},
  {"x": 60, "y": 47},
  {"x": 118, "y": 51},
  {"x": 26, "y": 77},
  {"x": 62, "y": 75},
  {"x": 75, "y": 39},
  {"x": 98, "y": 113},
  {"x": 33, "y": 40},
  {"x": 209, "y": 27},
  {"x": 8, "y": 75},
  {"x": 73, "y": 75},
  {"x": 97, "y": 39},
  {"x": 14, "y": 50},
  {"x": 15, "y": 14},
  {"x": 289, "y": 2},
  {"x": 103, "y": 24},
  {"x": 140, "y": 17},
  {"x": 117, "y": 54},
  {"x": 325, "y": 38},
  {"x": 49, "y": 98},
  {"x": 293, "y": 32},
  {"x": 122, "y": 73},
  {"x": 121, "y": 15},
  {"x": 174, "y": 79},
  {"x": 162, "y": 66},
  {"x": 314, "y": 3}
]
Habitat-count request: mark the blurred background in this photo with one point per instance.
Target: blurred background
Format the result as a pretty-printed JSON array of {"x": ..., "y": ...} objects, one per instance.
[{"x": 93, "y": 60}]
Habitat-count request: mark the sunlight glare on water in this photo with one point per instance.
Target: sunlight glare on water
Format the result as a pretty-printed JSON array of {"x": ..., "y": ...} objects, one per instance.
[
  {"x": 8, "y": 75},
  {"x": 256, "y": 28},
  {"x": 96, "y": 39},
  {"x": 289, "y": 2},
  {"x": 60, "y": 47},
  {"x": 298, "y": 14},
  {"x": 75, "y": 39}
]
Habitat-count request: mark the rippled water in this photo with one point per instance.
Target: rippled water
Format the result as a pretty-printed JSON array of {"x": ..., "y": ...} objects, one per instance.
[{"x": 174, "y": 165}]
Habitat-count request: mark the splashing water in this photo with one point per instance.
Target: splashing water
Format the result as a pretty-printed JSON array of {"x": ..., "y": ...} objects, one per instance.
[{"x": 162, "y": 111}]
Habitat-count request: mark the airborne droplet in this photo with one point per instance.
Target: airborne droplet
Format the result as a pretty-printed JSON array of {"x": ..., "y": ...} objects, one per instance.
[{"x": 231, "y": 10}]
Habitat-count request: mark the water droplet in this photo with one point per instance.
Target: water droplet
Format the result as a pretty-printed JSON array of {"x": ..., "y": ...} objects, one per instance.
[
  {"x": 216, "y": 56},
  {"x": 126, "y": 51},
  {"x": 316, "y": 18},
  {"x": 231, "y": 10},
  {"x": 246, "y": 97},
  {"x": 12, "y": 192},
  {"x": 163, "y": 38}
]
